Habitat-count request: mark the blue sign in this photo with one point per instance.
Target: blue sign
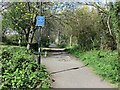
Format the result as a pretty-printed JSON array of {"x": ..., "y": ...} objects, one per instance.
[{"x": 40, "y": 21}]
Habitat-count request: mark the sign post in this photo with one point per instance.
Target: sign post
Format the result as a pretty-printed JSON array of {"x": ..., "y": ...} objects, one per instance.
[{"x": 40, "y": 21}]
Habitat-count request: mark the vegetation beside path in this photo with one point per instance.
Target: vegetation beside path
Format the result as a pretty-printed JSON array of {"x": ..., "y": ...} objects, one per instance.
[
  {"x": 103, "y": 62},
  {"x": 20, "y": 70}
]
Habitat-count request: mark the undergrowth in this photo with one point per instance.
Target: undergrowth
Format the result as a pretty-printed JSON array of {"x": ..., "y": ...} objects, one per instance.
[{"x": 20, "y": 70}]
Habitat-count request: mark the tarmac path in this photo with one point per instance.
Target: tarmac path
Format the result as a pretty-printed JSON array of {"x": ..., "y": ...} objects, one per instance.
[{"x": 68, "y": 72}]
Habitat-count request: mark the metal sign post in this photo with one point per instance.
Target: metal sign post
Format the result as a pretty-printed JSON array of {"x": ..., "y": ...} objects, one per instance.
[
  {"x": 40, "y": 22},
  {"x": 39, "y": 46}
]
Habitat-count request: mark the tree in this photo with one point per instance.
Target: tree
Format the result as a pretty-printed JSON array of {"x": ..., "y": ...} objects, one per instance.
[
  {"x": 116, "y": 24},
  {"x": 21, "y": 16}
]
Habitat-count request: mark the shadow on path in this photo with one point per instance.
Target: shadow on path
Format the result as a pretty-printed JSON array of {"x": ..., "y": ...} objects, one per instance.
[{"x": 68, "y": 69}]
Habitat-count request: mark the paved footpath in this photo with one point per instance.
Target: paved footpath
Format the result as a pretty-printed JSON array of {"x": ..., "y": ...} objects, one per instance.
[{"x": 68, "y": 72}]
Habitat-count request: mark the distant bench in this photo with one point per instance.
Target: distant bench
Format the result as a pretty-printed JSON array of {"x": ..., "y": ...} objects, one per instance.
[{"x": 45, "y": 50}]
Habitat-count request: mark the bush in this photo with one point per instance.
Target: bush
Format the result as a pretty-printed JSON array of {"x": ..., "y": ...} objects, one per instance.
[
  {"x": 20, "y": 70},
  {"x": 44, "y": 41},
  {"x": 14, "y": 40}
]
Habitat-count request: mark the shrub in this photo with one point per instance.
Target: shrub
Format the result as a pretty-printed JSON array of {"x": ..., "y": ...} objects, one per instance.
[
  {"x": 20, "y": 70},
  {"x": 14, "y": 40}
]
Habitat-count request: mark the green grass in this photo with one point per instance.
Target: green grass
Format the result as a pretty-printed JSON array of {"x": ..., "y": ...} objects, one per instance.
[{"x": 104, "y": 63}]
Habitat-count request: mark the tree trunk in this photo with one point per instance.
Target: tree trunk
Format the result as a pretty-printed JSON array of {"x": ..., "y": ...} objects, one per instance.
[
  {"x": 30, "y": 38},
  {"x": 27, "y": 36},
  {"x": 108, "y": 24},
  {"x": 57, "y": 38},
  {"x": 70, "y": 41},
  {"x": 102, "y": 43},
  {"x": 118, "y": 48},
  {"x": 20, "y": 40},
  {"x": 118, "y": 44}
]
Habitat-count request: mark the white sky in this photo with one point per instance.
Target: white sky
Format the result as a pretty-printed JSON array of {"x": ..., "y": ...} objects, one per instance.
[{"x": 58, "y": 0}]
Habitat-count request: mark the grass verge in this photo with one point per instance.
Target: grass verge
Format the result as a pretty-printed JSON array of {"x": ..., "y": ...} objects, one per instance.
[{"x": 104, "y": 63}]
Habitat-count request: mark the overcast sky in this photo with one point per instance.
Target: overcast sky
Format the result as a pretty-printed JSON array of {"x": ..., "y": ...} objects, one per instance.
[{"x": 60, "y": 0}]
